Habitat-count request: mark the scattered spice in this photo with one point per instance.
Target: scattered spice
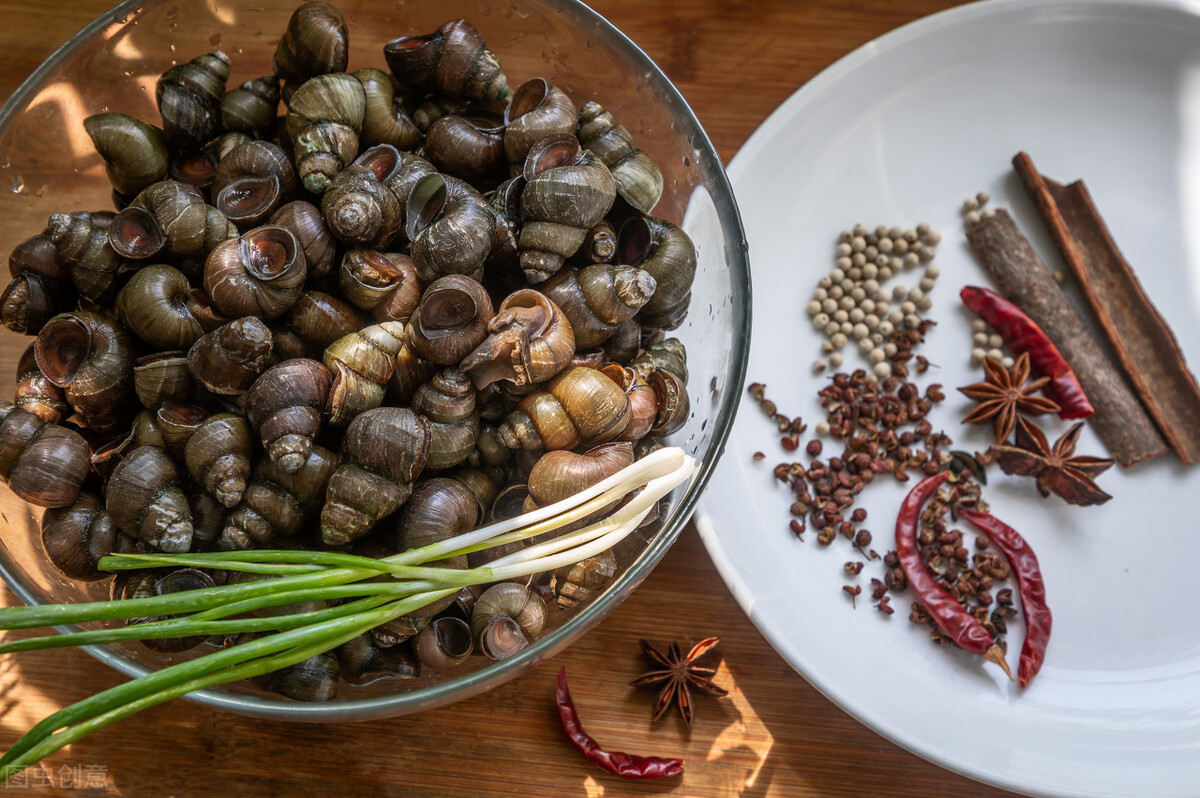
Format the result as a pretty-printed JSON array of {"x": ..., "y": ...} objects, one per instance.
[
  {"x": 1055, "y": 468},
  {"x": 675, "y": 675},
  {"x": 1004, "y": 393},
  {"x": 627, "y": 766}
]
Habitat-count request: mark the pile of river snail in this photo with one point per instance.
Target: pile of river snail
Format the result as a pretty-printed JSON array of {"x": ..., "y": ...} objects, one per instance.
[{"x": 418, "y": 301}]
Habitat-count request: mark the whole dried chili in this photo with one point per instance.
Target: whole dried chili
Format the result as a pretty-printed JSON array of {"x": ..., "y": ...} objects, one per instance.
[
  {"x": 1022, "y": 334},
  {"x": 627, "y": 766},
  {"x": 1031, "y": 585},
  {"x": 950, "y": 616}
]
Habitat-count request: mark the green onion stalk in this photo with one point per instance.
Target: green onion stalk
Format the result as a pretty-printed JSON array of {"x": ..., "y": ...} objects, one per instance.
[{"x": 364, "y": 601}]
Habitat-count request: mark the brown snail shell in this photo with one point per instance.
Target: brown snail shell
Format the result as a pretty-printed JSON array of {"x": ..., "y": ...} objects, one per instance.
[
  {"x": 669, "y": 255},
  {"x": 597, "y": 298},
  {"x": 195, "y": 168},
  {"x": 319, "y": 319},
  {"x": 673, "y": 403},
  {"x": 581, "y": 406},
  {"x": 639, "y": 180},
  {"x": 560, "y": 474},
  {"x": 259, "y": 274},
  {"x": 567, "y": 192},
  {"x": 448, "y": 401},
  {"x": 451, "y": 320},
  {"x": 314, "y": 679},
  {"x": 36, "y": 393},
  {"x": 277, "y": 504},
  {"x": 287, "y": 345},
  {"x": 643, "y": 403},
  {"x": 408, "y": 372},
  {"x": 218, "y": 456},
  {"x": 81, "y": 239},
  {"x": 358, "y": 208},
  {"x": 434, "y": 107},
  {"x": 625, "y": 342},
  {"x": 451, "y": 227},
  {"x": 147, "y": 584},
  {"x": 504, "y": 259},
  {"x": 208, "y": 518},
  {"x": 162, "y": 377},
  {"x": 284, "y": 405},
  {"x": 667, "y": 354},
  {"x": 599, "y": 245},
  {"x": 75, "y": 537},
  {"x": 168, "y": 219},
  {"x": 91, "y": 356},
  {"x": 145, "y": 500},
  {"x": 410, "y": 169},
  {"x": 304, "y": 221},
  {"x": 469, "y": 146},
  {"x": 383, "y": 451},
  {"x": 583, "y": 580},
  {"x": 444, "y": 644},
  {"x": 529, "y": 341},
  {"x": 175, "y": 423},
  {"x": 189, "y": 99},
  {"x": 324, "y": 118},
  {"x": 537, "y": 109},
  {"x": 368, "y": 277},
  {"x": 154, "y": 306},
  {"x": 506, "y": 619},
  {"x": 44, "y": 464},
  {"x": 315, "y": 42},
  {"x": 385, "y": 120},
  {"x": 361, "y": 364},
  {"x": 40, "y": 286},
  {"x": 227, "y": 360},
  {"x": 252, "y": 181},
  {"x": 252, "y": 107},
  {"x": 453, "y": 61},
  {"x": 134, "y": 153},
  {"x": 361, "y": 661}
]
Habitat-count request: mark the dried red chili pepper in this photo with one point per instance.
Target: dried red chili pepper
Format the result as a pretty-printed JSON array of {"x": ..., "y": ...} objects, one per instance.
[
  {"x": 1022, "y": 334},
  {"x": 1030, "y": 584},
  {"x": 950, "y": 616},
  {"x": 627, "y": 766}
]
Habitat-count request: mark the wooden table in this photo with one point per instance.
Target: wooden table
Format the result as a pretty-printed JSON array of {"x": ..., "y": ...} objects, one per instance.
[{"x": 774, "y": 735}]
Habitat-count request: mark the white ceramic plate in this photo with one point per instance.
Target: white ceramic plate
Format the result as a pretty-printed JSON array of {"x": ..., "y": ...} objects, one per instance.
[{"x": 901, "y": 131}]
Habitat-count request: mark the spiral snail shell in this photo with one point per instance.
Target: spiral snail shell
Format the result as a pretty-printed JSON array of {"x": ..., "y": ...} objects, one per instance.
[
  {"x": 506, "y": 619},
  {"x": 469, "y": 146},
  {"x": 450, "y": 321},
  {"x": 448, "y": 401},
  {"x": 639, "y": 180},
  {"x": 598, "y": 298},
  {"x": 361, "y": 364},
  {"x": 76, "y": 536},
  {"x": 278, "y": 504},
  {"x": 145, "y": 500},
  {"x": 319, "y": 319},
  {"x": 358, "y": 208},
  {"x": 36, "y": 393},
  {"x": 284, "y": 405},
  {"x": 189, "y": 99},
  {"x": 170, "y": 220},
  {"x": 537, "y": 109},
  {"x": 251, "y": 182},
  {"x": 91, "y": 357},
  {"x": 251, "y": 107},
  {"x": 304, "y": 221},
  {"x": 385, "y": 120},
  {"x": 325, "y": 116},
  {"x": 40, "y": 286},
  {"x": 44, "y": 464},
  {"x": 581, "y": 406},
  {"x": 154, "y": 306},
  {"x": 218, "y": 456},
  {"x": 529, "y": 341},
  {"x": 259, "y": 274},
  {"x": 669, "y": 255},
  {"x": 81, "y": 240},
  {"x": 453, "y": 61},
  {"x": 315, "y": 42},
  {"x": 227, "y": 360},
  {"x": 451, "y": 227},
  {"x": 134, "y": 153}
]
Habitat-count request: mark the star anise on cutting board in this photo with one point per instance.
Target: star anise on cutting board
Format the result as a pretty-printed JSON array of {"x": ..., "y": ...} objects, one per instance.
[
  {"x": 675, "y": 676},
  {"x": 1006, "y": 393},
  {"x": 1055, "y": 468}
]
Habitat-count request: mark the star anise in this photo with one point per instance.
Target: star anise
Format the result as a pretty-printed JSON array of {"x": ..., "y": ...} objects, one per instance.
[
  {"x": 1056, "y": 468},
  {"x": 676, "y": 675},
  {"x": 1004, "y": 394}
]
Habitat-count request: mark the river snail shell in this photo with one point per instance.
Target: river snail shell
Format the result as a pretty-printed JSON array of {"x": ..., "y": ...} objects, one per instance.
[
  {"x": 639, "y": 180},
  {"x": 278, "y": 504},
  {"x": 208, "y": 518},
  {"x": 145, "y": 499},
  {"x": 259, "y": 274},
  {"x": 643, "y": 401},
  {"x": 252, "y": 107},
  {"x": 44, "y": 464},
  {"x": 91, "y": 357},
  {"x": 162, "y": 377},
  {"x": 324, "y": 118},
  {"x": 284, "y": 405},
  {"x": 315, "y": 42},
  {"x": 383, "y": 451},
  {"x": 410, "y": 169},
  {"x": 218, "y": 456},
  {"x": 314, "y": 679},
  {"x": 581, "y": 406},
  {"x": 134, "y": 153},
  {"x": 451, "y": 227},
  {"x": 667, "y": 252},
  {"x": 408, "y": 372},
  {"x": 175, "y": 423},
  {"x": 385, "y": 120},
  {"x": 40, "y": 286},
  {"x": 361, "y": 661},
  {"x": 448, "y": 401},
  {"x": 154, "y": 306},
  {"x": 252, "y": 181},
  {"x": 529, "y": 341},
  {"x": 673, "y": 403},
  {"x": 506, "y": 619},
  {"x": 560, "y": 473},
  {"x": 75, "y": 537},
  {"x": 319, "y": 319},
  {"x": 304, "y": 221},
  {"x": 583, "y": 580},
  {"x": 453, "y": 61},
  {"x": 625, "y": 342},
  {"x": 537, "y": 109},
  {"x": 361, "y": 364},
  {"x": 599, "y": 297},
  {"x": 227, "y": 360},
  {"x": 169, "y": 220},
  {"x": 567, "y": 191},
  {"x": 469, "y": 146},
  {"x": 444, "y": 644},
  {"x": 81, "y": 240},
  {"x": 358, "y": 208},
  {"x": 150, "y": 583},
  {"x": 667, "y": 354},
  {"x": 189, "y": 99},
  {"x": 451, "y": 320},
  {"x": 36, "y": 393},
  {"x": 368, "y": 277},
  {"x": 599, "y": 245}
]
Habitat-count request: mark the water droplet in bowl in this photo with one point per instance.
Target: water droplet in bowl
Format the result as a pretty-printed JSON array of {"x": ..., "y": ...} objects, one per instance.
[{"x": 18, "y": 185}]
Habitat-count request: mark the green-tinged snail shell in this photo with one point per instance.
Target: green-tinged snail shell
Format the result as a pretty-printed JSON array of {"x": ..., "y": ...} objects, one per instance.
[
  {"x": 314, "y": 679},
  {"x": 643, "y": 403},
  {"x": 252, "y": 107},
  {"x": 168, "y": 220},
  {"x": 448, "y": 401},
  {"x": 673, "y": 403},
  {"x": 315, "y": 42},
  {"x": 361, "y": 661},
  {"x": 218, "y": 456},
  {"x": 667, "y": 354},
  {"x": 537, "y": 109},
  {"x": 134, "y": 153},
  {"x": 359, "y": 209},
  {"x": 44, "y": 464},
  {"x": 324, "y": 118},
  {"x": 304, "y": 221},
  {"x": 91, "y": 356},
  {"x": 174, "y": 423},
  {"x": 580, "y": 407},
  {"x": 639, "y": 180},
  {"x": 154, "y": 306},
  {"x": 453, "y": 61},
  {"x": 383, "y": 451},
  {"x": 583, "y": 580},
  {"x": 75, "y": 537},
  {"x": 529, "y": 341},
  {"x": 162, "y": 377},
  {"x": 451, "y": 227},
  {"x": 259, "y": 274},
  {"x": 361, "y": 364},
  {"x": 145, "y": 500},
  {"x": 444, "y": 644},
  {"x": 36, "y": 393},
  {"x": 40, "y": 286},
  {"x": 469, "y": 146},
  {"x": 506, "y": 619},
  {"x": 669, "y": 255},
  {"x": 278, "y": 504},
  {"x": 81, "y": 240},
  {"x": 597, "y": 298},
  {"x": 386, "y": 121},
  {"x": 450, "y": 321},
  {"x": 567, "y": 192},
  {"x": 319, "y": 319},
  {"x": 229, "y": 359},
  {"x": 284, "y": 405},
  {"x": 189, "y": 99},
  {"x": 252, "y": 181}
]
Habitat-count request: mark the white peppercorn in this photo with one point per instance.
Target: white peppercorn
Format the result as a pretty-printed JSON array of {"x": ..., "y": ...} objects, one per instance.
[
  {"x": 858, "y": 259},
  {"x": 837, "y": 275},
  {"x": 995, "y": 341},
  {"x": 820, "y": 320},
  {"x": 818, "y": 366},
  {"x": 885, "y": 244},
  {"x": 843, "y": 263},
  {"x": 882, "y": 370},
  {"x": 924, "y": 303},
  {"x": 832, "y": 327},
  {"x": 845, "y": 328},
  {"x": 842, "y": 250},
  {"x": 925, "y": 285},
  {"x": 835, "y": 359},
  {"x": 860, "y": 331},
  {"x": 838, "y": 339},
  {"x": 908, "y": 307},
  {"x": 979, "y": 326},
  {"x": 856, "y": 315},
  {"x": 871, "y": 320},
  {"x": 858, "y": 244},
  {"x": 886, "y": 327},
  {"x": 980, "y": 339},
  {"x": 829, "y": 305},
  {"x": 890, "y": 349},
  {"x": 977, "y": 356},
  {"x": 840, "y": 316},
  {"x": 822, "y": 428},
  {"x": 876, "y": 355},
  {"x": 995, "y": 354},
  {"x": 814, "y": 307},
  {"x": 933, "y": 272}
]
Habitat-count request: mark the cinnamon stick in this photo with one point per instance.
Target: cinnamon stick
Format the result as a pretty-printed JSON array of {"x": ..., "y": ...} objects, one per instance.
[
  {"x": 1120, "y": 420},
  {"x": 1140, "y": 337}
]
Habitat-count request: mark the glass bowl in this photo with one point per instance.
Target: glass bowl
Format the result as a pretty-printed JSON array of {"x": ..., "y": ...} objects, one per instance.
[{"x": 49, "y": 165}]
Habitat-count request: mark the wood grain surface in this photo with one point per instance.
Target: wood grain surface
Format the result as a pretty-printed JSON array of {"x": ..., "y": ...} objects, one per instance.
[{"x": 775, "y": 735}]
